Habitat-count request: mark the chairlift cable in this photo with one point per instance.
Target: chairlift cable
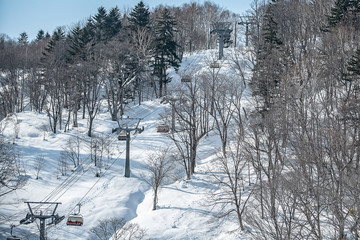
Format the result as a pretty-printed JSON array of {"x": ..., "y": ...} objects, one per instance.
[{"x": 72, "y": 178}]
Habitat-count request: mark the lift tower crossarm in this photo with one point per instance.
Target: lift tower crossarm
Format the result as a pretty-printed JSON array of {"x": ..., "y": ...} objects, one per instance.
[{"x": 32, "y": 216}]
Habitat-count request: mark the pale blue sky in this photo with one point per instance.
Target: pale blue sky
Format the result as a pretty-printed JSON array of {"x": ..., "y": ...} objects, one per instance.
[{"x": 17, "y": 16}]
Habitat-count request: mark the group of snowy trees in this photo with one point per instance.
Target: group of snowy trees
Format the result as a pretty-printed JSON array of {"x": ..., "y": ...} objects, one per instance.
[
  {"x": 288, "y": 168},
  {"x": 303, "y": 138},
  {"x": 112, "y": 57},
  {"x": 127, "y": 53}
]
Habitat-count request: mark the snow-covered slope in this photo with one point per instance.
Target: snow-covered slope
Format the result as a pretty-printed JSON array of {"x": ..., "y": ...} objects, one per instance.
[{"x": 182, "y": 210}]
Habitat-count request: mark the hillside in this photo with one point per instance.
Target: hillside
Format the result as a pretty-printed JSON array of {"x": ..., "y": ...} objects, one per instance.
[{"x": 183, "y": 212}]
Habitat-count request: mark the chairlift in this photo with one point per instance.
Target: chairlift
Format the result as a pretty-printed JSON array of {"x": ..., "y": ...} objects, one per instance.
[
  {"x": 12, "y": 237},
  {"x": 186, "y": 78},
  {"x": 28, "y": 219},
  {"x": 56, "y": 219},
  {"x": 214, "y": 65},
  {"x": 163, "y": 128},
  {"x": 122, "y": 136},
  {"x": 75, "y": 219}
]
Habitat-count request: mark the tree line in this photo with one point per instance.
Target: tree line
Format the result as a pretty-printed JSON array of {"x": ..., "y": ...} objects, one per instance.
[
  {"x": 288, "y": 166},
  {"x": 127, "y": 53},
  {"x": 292, "y": 169}
]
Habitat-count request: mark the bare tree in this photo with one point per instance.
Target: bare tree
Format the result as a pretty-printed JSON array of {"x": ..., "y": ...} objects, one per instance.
[
  {"x": 229, "y": 173},
  {"x": 39, "y": 164},
  {"x": 93, "y": 97},
  {"x": 99, "y": 148},
  {"x": 107, "y": 228},
  {"x": 72, "y": 151},
  {"x": 192, "y": 118},
  {"x": 160, "y": 166},
  {"x": 10, "y": 171},
  {"x": 62, "y": 165},
  {"x": 225, "y": 94},
  {"x": 116, "y": 229}
]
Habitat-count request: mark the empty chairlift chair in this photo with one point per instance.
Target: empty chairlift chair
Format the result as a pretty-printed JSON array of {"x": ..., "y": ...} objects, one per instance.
[
  {"x": 122, "y": 136},
  {"x": 215, "y": 65},
  {"x": 75, "y": 219},
  {"x": 186, "y": 79},
  {"x": 163, "y": 128},
  {"x": 13, "y": 238}
]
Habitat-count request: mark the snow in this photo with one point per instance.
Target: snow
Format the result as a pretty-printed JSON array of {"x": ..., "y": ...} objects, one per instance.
[{"x": 182, "y": 211}]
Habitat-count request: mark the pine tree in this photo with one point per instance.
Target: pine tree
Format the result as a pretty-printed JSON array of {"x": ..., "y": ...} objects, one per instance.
[
  {"x": 338, "y": 12},
  {"x": 112, "y": 23},
  {"x": 23, "y": 39},
  {"x": 140, "y": 16},
  {"x": 77, "y": 44},
  {"x": 344, "y": 11},
  {"x": 165, "y": 53},
  {"x": 354, "y": 64},
  {"x": 57, "y": 36},
  {"x": 100, "y": 24},
  {"x": 270, "y": 31},
  {"x": 269, "y": 65},
  {"x": 40, "y": 35}
]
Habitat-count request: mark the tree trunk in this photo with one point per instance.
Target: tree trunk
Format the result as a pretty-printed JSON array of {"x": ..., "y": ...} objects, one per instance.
[
  {"x": 91, "y": 120},
  {"x": 155, "y": 198},
  {"x": 75, "y": 122}
]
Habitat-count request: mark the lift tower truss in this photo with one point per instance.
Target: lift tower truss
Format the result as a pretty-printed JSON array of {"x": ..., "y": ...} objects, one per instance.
[
  {"x": 246, "y": 20},
  {"x": 42, "y": 215}
]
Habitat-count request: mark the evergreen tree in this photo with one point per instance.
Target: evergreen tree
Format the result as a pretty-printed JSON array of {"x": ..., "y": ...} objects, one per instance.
[
  {"x": 112, "y": 23},
  {"x": 57, "y": 36},
  {"x": 337, "y": 12},
  {"x": 100, "y": 24},
  {"x": 76, "y": 44},
  {"x": 344, "y": 11},
  {"x": 23, "y": 39},
  {"x": 40, "y": 35},
  {"x": 140, "y": 16},
  {"x": 269, "y": 66},
  {"x": 270, "y": 31},
  {"x": 354, "y": 64},
  {"x": 165, "y": 53},
  {"x": 88, "y": 32}
]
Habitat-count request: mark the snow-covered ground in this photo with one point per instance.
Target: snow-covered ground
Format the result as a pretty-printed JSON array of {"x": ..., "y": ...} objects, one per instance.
[{"x": 182, "y": 210}]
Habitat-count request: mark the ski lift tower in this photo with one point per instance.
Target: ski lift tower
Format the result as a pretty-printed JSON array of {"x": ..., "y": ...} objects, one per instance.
[
  {"x": 42, "y": 216},
  {"x": 223, "y": 30},
  {"x": 245, "y": 20},
  {"x": 128, "y": 130}
]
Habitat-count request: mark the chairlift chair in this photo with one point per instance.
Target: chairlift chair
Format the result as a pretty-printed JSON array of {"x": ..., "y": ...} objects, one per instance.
[
  {"x": 186, "y": 79},
  {"x": 13, "y": 238},
  {"x": 122, "y": 136},
  {"x": 214, "y": 65},
  {"x": 163, "y": 128},
  {"x": 75, "y": 219}
]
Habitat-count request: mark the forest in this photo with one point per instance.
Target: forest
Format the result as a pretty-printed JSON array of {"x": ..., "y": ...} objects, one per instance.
[{"x": 289, "y": 165}]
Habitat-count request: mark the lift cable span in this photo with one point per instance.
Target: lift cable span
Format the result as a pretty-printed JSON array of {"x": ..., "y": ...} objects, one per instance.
[{"x": 57, "y": 219}]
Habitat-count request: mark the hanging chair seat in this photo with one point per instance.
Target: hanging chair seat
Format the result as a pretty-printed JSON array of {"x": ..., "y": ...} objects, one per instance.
[{"x": 75, "y": 220}]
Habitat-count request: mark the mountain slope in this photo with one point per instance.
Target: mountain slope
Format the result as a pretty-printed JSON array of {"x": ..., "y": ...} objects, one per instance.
[{"x": 182, "y": 212}]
